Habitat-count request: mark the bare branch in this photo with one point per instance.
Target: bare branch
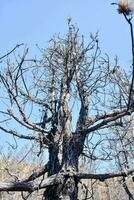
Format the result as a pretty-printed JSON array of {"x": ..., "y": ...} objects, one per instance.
[
  {"x": 17, "y": 46},
  {"x": 15, "y": 133},
  {"x": 31, "y": 185},
  {"x": 107, "y": 120},
  {"x": 39, "y": 172},
  {"x": 103, "y": 177}
]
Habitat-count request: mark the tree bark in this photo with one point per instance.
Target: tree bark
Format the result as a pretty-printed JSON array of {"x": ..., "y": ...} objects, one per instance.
[{"x": 69, "y": 188}]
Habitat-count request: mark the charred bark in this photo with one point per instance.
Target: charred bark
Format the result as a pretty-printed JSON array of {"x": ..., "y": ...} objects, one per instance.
[{"x": 69, "y": 188}]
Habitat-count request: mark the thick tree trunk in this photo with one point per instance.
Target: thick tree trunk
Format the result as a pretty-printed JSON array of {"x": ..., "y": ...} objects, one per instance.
[{"x": 68, "y": 190}]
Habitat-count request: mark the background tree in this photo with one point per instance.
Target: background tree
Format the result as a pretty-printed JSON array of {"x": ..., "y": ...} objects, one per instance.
[{"x": 82, "y": 96}]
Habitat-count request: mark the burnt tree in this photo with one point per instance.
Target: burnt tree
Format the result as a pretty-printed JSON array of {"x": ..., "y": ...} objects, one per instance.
[{"x": 81, "y": 94}]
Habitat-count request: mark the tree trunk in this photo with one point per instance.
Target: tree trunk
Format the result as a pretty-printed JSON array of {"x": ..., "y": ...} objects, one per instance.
[{"x": 68, "y": 190}]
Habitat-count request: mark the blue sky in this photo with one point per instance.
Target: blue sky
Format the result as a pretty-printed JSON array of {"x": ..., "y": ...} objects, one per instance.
[{"x": 35, "y": 22}]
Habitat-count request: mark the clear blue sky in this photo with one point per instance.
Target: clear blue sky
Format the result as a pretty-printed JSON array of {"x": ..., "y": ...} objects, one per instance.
[{"x": 35, "y": 21}]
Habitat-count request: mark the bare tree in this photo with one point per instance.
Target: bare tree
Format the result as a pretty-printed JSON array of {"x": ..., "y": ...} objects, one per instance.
[{"x": 82, "y": 96}]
